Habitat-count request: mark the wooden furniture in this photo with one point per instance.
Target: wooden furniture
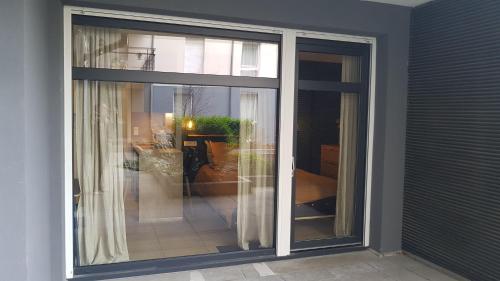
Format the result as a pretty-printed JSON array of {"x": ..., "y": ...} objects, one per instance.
[
  {"x": 160, "y": 184},
  {"x": 329, "y": 166}
]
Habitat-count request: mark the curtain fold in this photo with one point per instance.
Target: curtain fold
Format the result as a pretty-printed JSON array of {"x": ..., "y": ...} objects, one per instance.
[
  {"x": 346, "y": 182},
  {"x": 255, "y": 213},
  {"x": 98, "y": 152}
]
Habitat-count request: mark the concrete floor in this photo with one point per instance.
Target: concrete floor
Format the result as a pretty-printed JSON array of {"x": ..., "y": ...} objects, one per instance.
[{"x": 357, "y": 266}]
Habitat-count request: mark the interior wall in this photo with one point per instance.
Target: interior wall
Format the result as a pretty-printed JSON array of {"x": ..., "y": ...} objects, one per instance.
[
  {"x": 317, "y": 115},
  {"x": 452, "y": 188}
]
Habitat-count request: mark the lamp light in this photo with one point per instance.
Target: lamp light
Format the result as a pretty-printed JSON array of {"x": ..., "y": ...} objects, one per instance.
[{"x": 190, "y": 125}]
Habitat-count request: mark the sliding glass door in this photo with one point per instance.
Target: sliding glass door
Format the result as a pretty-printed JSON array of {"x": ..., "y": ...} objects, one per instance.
[
  {"x": 174, "y": 141},
  {"x": 330, "y": 141}
]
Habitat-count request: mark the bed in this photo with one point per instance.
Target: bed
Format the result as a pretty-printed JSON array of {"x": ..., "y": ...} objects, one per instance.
[
  {"x": 311, "y": 187},
  {"x": 314, "y": 194}
]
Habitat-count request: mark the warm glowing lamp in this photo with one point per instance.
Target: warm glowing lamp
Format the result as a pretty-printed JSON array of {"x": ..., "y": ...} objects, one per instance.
[{"x": 190, "y": 125}]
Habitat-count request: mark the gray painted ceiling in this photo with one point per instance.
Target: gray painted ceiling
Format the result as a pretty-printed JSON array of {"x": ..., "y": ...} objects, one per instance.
[{"x": 408, "y": 3}]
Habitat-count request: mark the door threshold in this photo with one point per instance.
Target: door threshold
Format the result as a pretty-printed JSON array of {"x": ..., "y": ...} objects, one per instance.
[
  {"x": 157, "y": 268},
  {"x": 325, "y": 247}
]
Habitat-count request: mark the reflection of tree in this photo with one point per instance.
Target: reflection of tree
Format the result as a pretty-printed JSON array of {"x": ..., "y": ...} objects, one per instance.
[{"x": 193, "y": 102}]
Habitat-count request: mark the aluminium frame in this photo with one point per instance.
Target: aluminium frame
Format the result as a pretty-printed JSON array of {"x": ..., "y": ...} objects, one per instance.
[{"x": 287, "y": 111}]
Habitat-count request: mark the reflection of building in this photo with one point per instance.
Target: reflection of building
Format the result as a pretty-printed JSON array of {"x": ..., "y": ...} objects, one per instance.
[
  {"x": 150, "y": 103},
  {"x": 200, "y": 55},
  {"x": 142, "y": 58},
  {"x": 183, "y": 54}
]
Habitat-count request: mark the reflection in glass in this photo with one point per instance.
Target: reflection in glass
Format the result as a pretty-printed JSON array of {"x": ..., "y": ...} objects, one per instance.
[
  {"x": 140, "y": 50},
  {"x": 172, "y": 170},
  {"x": 327, "y": 128},
  {"x": 329, "y": 67}
]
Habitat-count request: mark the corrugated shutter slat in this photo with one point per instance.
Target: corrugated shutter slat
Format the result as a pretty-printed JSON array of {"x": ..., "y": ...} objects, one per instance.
[{"x": 452, "y": 180}]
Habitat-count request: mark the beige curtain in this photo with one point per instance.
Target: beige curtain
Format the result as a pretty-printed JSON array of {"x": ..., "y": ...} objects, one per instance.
[
  {"x": 346, "y": 184},
  {"x": 99, "y": 47},
  {"x": 255, "y": 212},
  {"x": 98, "y": 152}
]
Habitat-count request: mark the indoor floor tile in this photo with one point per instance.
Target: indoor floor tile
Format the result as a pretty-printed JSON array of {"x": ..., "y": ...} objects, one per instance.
[{"x": 146, "y": 255}]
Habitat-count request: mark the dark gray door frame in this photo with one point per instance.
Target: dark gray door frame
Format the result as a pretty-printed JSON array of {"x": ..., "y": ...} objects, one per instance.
[
  {"x": 131, "y": 268},
  {"x": 362, "y": 89}
]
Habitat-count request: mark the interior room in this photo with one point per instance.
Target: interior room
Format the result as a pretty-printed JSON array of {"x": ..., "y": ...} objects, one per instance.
[
  {"x": 185, "y": 168},
  {"x": 318, "y": 132},
  {"x": 191, "y": 168}
]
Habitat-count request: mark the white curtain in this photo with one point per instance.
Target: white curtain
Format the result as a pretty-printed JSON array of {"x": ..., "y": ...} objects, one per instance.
[
  {"x": 98, "y": 152},
  {"x": 344, "y": 219},
  {"x": 255, "y": 212}
]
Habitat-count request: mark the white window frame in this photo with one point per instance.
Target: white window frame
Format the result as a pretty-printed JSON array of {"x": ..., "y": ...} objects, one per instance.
[
  {"x": 287, "y": 97},
  {"x": 247, "y": 67}
]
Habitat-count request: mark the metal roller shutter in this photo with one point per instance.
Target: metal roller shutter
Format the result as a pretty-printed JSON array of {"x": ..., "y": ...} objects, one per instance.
[{"x": 452, "y": 181}]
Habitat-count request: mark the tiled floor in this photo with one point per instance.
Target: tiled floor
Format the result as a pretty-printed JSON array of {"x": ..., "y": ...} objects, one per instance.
[
  {"x": 201, "y": 231},
  {"x": 357, "y": 266},
  {"x": 320, "y": 228}
]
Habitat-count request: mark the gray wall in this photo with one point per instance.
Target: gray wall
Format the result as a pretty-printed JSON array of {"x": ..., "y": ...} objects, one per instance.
[
  {"x": 452, "y": 188},
  {"x": 31, "y": 111},
  {"x": 30, "y": 124},
  {"x": 391, "y": 26},
  {"x": 43, "y": 138},
  {"x": 12, "y": 184}
]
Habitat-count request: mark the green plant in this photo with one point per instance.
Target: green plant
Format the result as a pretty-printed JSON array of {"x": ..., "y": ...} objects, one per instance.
[
  {"x": 214, "y": 125},
  {"x": 218, "y": 125}
]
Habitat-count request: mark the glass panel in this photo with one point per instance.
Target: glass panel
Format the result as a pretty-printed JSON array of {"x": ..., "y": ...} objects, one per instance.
[
  {"x": 151, "y": 51},
  {"x": 172, "y": 170},
  {"x": 327, "y": 126},
  {"x": 329, "y": 67}
]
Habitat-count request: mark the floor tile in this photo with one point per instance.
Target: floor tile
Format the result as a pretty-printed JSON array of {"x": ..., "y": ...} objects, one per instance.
[
  {"x": 306, "y": 275},
  {"x": 146, "y": 255},
  {"x": 266, "y": 278},
  {"x": 141, "y": 236},
  {"x": 403, "y": 274},
  {"x": 356, "y": 266},
  {"x": 176, "y": 242},
  {"x": 429, "y": 273},
  {"x": 287, "y": 266},
  {"x": 262, "y": 269},
  {"x": 175, "y": 228},
  {"x": 223, "y": 274},
  {"x": 144, "y": 245},
  {"x": 139, "y": 228},
  {"x": 209, "y": 225}
]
